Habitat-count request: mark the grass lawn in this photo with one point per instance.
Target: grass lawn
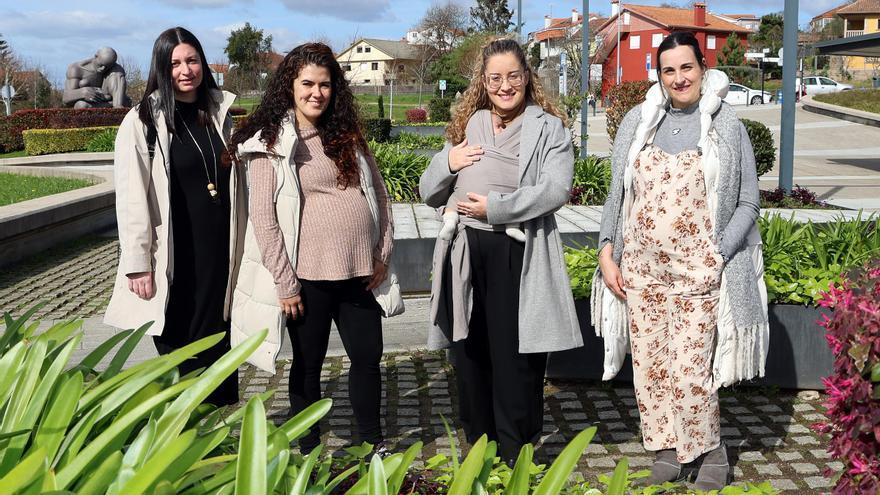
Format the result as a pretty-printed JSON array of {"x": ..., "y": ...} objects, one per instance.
[
  {"x": 369, "y": 104},
  {"x": 867, "y": 100},
  {"x": 15, "y": 188},
  {"x": 14, "y": 154}
]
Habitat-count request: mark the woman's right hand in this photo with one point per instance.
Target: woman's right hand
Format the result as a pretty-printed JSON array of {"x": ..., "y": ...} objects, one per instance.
[
  {"x": 142, "y": 284},
  {"x": 292, "y": 306},
  {"x": 462, "y": 155},
  {"x": 611, "y": 272}
]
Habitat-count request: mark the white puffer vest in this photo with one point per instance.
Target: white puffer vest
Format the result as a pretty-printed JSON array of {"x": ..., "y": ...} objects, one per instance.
[{"x": 255, "y": 303}]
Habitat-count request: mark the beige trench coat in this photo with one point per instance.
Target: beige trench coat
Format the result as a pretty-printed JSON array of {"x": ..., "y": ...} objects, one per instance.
[{"x": 144, "y": 218}]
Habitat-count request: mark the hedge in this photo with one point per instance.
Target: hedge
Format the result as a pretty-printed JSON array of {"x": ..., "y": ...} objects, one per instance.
[
  {"x": 46, "y": 141},
  {"x": 378, "y": 130},
  {"x": 438, "y": 109},
  {"x": 11, "y": 127},
  {"x": 762, "y": 143}
]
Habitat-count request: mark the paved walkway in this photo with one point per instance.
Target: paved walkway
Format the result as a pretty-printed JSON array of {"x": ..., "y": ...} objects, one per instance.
[{"x": 768, "y": 430}]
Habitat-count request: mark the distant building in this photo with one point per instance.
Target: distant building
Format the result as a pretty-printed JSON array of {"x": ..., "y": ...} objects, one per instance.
[
  {"x": 556, "y": 31},
  {"x": 373, "y": 62},
  {"x": 642, "y": 29},
  {"x": 748, "y": 21},
  {"x": 819, "y": 22},
  {"x": 859, "y": 18},
  {"x": 219, "y": 72}
]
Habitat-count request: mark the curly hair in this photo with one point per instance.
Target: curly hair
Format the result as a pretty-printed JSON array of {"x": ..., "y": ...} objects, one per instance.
[
  {"x": 477, "y": 98},
  {"x": 339, "y": 125}
]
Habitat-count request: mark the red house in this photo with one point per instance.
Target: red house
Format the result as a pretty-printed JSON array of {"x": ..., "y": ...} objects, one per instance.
[{"x": 643, "y": 28}]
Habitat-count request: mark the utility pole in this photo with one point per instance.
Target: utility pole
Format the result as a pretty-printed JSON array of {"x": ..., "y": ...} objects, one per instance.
[
  {"x": 585, "y": 73},
  {"x": 789, "y": 66},
  {"x": 519, "y": 38}
]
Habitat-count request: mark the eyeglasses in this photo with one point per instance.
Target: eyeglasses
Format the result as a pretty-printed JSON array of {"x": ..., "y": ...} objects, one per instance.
[{"x": 515, "y": 79}]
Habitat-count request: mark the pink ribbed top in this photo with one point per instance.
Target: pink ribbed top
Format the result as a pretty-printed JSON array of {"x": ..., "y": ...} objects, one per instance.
[{"x": 335, "y": 224}]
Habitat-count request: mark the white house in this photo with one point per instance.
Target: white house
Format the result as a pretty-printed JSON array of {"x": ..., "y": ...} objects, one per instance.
[{"x": 373, "y": 62}]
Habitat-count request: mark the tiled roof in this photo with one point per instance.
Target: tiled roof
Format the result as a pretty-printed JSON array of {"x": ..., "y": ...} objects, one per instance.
[
  {"x": 861, "y": 7},
  {"x": 684, "y": 18},
  {"x": 741, "y": 16},
  {"x": 393, "y": 48}
]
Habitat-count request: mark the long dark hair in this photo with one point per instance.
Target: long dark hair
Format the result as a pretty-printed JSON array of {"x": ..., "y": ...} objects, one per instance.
[
  {"x": 338, "y": 127},
  {"x": 676, "y": 39},
  {"x": 160, "y": 78}
]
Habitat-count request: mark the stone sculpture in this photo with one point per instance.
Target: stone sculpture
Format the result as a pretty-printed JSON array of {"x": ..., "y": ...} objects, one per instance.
[{"x": 96, "y": 82}]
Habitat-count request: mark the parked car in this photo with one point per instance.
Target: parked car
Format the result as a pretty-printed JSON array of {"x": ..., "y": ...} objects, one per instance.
[
  {"x": 814, "y": 85},
  {"x": 737, "y": 94}
]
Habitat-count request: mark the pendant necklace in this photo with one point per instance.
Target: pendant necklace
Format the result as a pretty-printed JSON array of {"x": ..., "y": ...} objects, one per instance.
[{"x": 212, "y": 189}]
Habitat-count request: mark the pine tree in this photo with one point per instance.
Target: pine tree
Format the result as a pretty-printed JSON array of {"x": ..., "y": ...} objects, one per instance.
[
  {"x": 491, "y": 16},
  {"x": 732, "y": 53},
  {"x": 381, "y": 103}
]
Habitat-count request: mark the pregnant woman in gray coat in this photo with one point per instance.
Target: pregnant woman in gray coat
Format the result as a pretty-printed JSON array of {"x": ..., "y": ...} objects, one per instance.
[{"x": 501, "y": 304}]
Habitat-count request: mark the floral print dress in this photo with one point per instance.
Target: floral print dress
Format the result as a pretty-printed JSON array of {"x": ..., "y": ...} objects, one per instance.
[{"x": 671, "y": 270}]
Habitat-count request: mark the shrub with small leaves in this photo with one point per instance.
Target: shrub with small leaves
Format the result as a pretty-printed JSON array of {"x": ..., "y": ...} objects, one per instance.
[
  {"x": 853, "y": 404},
  {"x": 380, "y": 113},
  {"x": 416, "y": 115},
  {"x": 762, "y": 144},
  {"x": 621, "y": 99},
  {"x": 800, "y": 198},
  {"x": 377, "y": 130},
  {"x": 438, "y": 109},
  {"x": 46, "y": 141}
]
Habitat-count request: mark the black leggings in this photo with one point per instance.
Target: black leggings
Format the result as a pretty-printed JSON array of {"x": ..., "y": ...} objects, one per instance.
[
  {"x": 358, "y": 318},
  {"x": 500, "y": 390}
]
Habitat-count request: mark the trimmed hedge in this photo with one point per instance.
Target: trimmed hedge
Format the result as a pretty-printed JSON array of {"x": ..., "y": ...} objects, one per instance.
[
  {"x": 762, "y": 143},
  {"x": 46, "y": 141},
  {"x": 416, "y": 115},
  {"x": 438, "y": 109},
  {"x": 11, "y": 127},
  {"x": 378, "y": 130},
  {"x": 621, "y": 99}
]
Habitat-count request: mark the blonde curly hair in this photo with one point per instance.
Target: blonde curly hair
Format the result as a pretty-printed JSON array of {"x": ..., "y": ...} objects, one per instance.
[{"x": 477, "y": 98}]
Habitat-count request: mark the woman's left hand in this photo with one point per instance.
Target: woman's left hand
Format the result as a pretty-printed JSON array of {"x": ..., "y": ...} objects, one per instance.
[
  {"x": 475, "y": 208},
  {"x": 380, "y": 273}
]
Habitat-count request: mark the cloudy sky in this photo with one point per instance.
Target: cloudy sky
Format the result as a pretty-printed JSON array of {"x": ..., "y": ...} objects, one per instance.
[{"x": 53, "y": 33}]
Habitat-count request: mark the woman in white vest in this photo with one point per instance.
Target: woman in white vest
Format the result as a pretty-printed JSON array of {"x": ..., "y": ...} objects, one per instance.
[
  {"x": 180, "y": 208},
  {"x": 319, "y": 236}
]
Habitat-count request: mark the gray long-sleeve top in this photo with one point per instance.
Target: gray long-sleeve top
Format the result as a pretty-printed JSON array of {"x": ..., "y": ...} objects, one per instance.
[{"x": 680, "y": 131}]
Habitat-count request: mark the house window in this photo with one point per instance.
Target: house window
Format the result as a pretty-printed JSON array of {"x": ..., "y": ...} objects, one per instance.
[
  {"x": 366, "y": 81},
  {"x": 656, "y": 39},
  {"x": 635, "y": 42},
  {"x": 360, "y": 49},
  {"x": 346, "y": 68},
  {"x": 401, "y": 67},
  {"x": 710, "y": 42},
  {"x": 366, "y": 49},
  {"x": 626, "y": 18},
  {"x": 374, "y": 66}
]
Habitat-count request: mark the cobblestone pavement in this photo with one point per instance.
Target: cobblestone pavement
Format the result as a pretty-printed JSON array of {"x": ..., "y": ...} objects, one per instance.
[{"x": 768, "y": 432}]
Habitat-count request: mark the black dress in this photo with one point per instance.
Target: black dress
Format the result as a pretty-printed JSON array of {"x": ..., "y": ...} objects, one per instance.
[{"x": 200, "y": 243}]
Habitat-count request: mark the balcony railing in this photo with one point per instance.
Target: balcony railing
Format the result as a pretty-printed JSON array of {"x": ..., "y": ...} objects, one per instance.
[{"x": 850, "y": 34}]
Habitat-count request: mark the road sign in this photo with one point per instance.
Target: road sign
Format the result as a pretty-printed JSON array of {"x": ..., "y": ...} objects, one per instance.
[
  {"x": 7, "y": 92},
  {"x": 780, "y": 57},
  {"x": 755, "y": 55},
  {"x": 442, "y": 84},
  {"x": 648, "y": 62}
]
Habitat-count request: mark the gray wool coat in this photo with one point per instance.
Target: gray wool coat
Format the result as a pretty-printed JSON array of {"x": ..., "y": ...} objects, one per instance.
[{"x": 547, "y": 318}]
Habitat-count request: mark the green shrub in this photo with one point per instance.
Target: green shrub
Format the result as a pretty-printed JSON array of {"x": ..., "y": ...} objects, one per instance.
[
  {"x": 412, "y": 141},
  {"x": 592, "y": 178},
  {"x": 581, "y": 264},
  {"x": 621, "y": 99},
  {"x": 103, "y": 141},
  {"x": 762, "y": 143},
  {"x": 377, "y": 130},
  {"x": 380, "y": 113},
  {"x": 400, "y": 169},
  {"x": 46, "y": 141},
  {"x": 438, "y": 109}
]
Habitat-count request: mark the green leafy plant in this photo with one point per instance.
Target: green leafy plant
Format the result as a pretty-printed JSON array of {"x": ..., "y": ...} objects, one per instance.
[
  {"x": 103, "y": 141},
  {"x": 621, "y": 99},
  {"x": 412, "y": 141},
  {"x": 762, "y": 144},
  {"x": 581, "y": 264},
  {"x": 378, "y": 130},
  {"x": 380, "y": 114},
  {"x": 438, "y": 109},
  {"x": 46, "y": 141},
  {"x": 400, "y": 169},
  {"x": 592, "y": 178}
]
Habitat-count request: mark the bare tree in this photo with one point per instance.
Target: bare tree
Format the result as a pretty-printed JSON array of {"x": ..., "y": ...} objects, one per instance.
[
  {"x": 135, "y": 81},
  {"x": 444, "y": 26},
  {"x": 420, "y": 70}
]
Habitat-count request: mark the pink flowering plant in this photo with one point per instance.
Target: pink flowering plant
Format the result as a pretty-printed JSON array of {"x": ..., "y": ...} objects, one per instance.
[{"x": 853, "y": 333}]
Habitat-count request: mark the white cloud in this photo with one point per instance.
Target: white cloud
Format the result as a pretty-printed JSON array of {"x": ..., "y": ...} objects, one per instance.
[
  {"x": 349, "y": 10},
  {"x": 202, "y": 4}
]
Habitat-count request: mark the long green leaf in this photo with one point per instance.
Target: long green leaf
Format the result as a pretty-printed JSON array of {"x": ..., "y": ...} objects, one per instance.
[
  {"x": 12, "y": 417},
  {"x": 470, "y": 468},
  {"x": 250, "y": 474},
  {"x": 562, "y": 467},
  {"x": 297, "y": 425},
  {"x": 14, "y": 326},
  {"x": 617, "y": 486},
  {"x": 275, "y": 470},
  {"x": 10, "y": 369},
  {"x": 377, "y": 476},
  {"x": 89, "y": 362},
  {"x": 301, "y": 481},
  {"x": 175, "y": 417},
  {"x": 59, "y": 413},
  {"x": 99, "y": 480},
  {"x": 149, "y": 474},
  {"x": 125, "y": 351},
  {"x": 134, "y": 458},
  {"x": 201, "y": 447},
  {"x": 389, "y": 465},
  {"x": 75, "y": 439},
  {"x": 25, "y": 472},
  {"x": 519, "y": 478},
  {"x": 395, "y": 481},
  {"x": 90, "y": 452}
]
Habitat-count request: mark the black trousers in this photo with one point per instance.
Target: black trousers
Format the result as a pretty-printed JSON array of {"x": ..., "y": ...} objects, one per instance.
[
  {"x": 359, "y": 321},
  {"x": 500, "y": 390}
]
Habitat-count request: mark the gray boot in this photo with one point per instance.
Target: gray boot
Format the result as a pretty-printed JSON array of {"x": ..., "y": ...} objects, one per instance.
[
  {"x": 666, "y": 468},
  {"x": 714, "y": 471}
]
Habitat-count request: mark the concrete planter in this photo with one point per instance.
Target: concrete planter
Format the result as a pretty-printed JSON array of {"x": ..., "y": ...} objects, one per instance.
[
  {"x": 798, "y": 356},
  {"x": 422, "y": 130}
]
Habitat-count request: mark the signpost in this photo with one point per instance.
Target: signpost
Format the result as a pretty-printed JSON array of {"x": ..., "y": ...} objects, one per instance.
[
  {"x": 442, "y": 84},
  {"x": 648, "y": 63},
  {"x": 7, "y": 92}
]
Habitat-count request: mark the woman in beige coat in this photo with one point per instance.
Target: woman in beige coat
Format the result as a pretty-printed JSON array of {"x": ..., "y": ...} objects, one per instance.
[{"x": 179, "y": 208}]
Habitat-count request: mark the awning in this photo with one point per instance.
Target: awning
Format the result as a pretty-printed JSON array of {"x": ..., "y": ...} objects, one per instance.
[{"x": 866, "y": 45}]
